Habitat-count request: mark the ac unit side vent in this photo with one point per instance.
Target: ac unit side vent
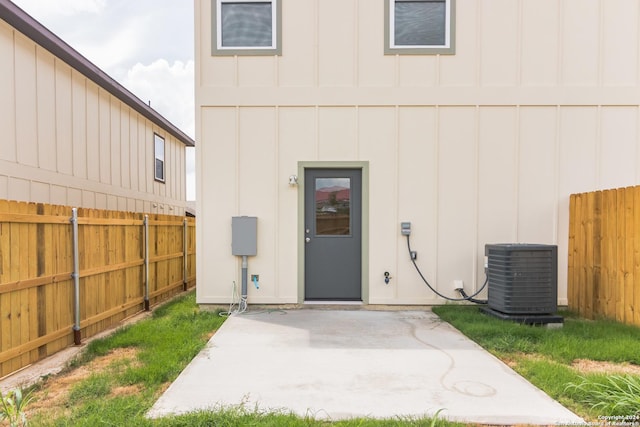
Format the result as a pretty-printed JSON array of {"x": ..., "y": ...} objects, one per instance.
[{"x": 523, "y": 278}]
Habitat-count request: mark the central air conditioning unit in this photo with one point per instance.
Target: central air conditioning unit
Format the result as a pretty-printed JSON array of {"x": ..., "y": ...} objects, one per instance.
[{"x": 523, "y": 282}]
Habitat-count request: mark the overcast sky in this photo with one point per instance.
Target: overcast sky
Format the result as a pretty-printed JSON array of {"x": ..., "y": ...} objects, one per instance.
[{"x": 146, "y": 45}]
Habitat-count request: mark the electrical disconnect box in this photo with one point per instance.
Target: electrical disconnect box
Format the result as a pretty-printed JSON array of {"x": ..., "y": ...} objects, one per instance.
[
  {"x": 405, "y": 228},
  {"x": 244, "y": 235}
]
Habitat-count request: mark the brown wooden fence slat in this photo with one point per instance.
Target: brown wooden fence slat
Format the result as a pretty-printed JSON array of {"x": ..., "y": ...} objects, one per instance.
[
  {"x": 587, "y": 290},
  {"x": 111, "y": 268},
  {"x": 170, "y": 287},
  {"x": 597, "y": 253},
  {"x": 635, "y": 303},
  {"x": 628, "y": 241},
  {"x": 579, "y": 274},
  {"x": 33, "y": 344},
  {"x": 31, "y": 283},
  {"x": 620, "y": 254},
  {"x": 22, "y": 270},
  {"x": 109, "y": 313},
  {"x": 36, "y": 259},
  {"x": 109, "y": 221},
  {"x": 571, "y": 283},
  {"x": 604, "y": 254},
  {"x": 166, "y": 257},
  {"x": 27, "y": 218},
  {"x": 165, "y": 223},
  {"x": 612, "y": 234}
]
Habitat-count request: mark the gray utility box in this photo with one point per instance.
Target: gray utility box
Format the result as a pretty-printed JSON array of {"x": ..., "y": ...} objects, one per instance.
[
  {"x": 523, "y": 278},
  {"x": 244, "y": 235}
]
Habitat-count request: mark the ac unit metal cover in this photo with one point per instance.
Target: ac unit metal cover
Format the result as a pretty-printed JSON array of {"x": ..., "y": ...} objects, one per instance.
[{"x": 523, "y": 278}]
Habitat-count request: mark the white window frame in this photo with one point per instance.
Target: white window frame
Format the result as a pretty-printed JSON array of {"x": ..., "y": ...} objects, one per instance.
[
  {"x": 158, "y": 139},
  {"x": 274, "y": 49},
  {"x": 391, "y": 48}
]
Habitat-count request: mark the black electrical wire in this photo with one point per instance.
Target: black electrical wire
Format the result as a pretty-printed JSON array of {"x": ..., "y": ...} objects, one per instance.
[
  {"x": 465, "y": 297},
  {"x": 471, "y": 298}
]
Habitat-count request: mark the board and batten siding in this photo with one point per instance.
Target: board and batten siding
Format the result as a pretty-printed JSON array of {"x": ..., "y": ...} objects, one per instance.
[
  {"x": 68, "y": 141},
  {"x": 540, "y": 100}
]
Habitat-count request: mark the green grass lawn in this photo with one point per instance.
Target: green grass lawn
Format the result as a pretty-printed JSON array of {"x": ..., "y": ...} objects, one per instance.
[
  {"x": 544, "y": 356},
  {"x": 144, "y": 358},
  {"x": 164, "y": 344},
  {"x": 153, "y": 352}
]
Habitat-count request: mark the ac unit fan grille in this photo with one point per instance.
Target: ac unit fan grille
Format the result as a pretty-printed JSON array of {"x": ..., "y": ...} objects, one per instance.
[{"x": 522, "y": 278}]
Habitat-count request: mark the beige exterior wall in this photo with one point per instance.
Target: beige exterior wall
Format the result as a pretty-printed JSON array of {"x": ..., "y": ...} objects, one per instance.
[
  {"x": 540, "y": 100},
  {"x": 68, "y": 141}
]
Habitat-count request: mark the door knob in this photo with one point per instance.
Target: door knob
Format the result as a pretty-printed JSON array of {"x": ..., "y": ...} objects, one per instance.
[{"x": 308, "y": 239}]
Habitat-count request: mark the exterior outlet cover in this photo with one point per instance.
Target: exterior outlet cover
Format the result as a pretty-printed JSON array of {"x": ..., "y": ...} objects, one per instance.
[{"x": 458, "y": 284}]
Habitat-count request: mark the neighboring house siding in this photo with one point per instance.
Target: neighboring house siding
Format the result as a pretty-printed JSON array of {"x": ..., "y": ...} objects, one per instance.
[
  {"x": 540, "y": 100},
  {"x": 69, "y": 141}
]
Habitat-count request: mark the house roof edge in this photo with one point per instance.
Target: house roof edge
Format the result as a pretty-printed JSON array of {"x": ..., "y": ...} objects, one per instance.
[{"x": 37, "y": 32}]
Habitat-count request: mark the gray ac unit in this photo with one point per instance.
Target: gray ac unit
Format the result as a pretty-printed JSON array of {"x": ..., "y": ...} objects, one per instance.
[{"x": 523, "y": 278}]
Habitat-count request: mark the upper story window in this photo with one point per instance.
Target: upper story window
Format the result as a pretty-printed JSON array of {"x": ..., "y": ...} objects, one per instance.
[
  {"x": 246, "y": 27},
  {"x": 159, "y": 157},
  {"x": 419, "y": 27}
]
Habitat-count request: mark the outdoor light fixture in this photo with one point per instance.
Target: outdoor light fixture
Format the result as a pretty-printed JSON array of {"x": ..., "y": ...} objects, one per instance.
[{"x": 293, "y": 180}]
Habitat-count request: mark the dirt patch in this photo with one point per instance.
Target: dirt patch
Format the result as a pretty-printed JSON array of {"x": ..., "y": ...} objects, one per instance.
[
  {"x": 583, "y": 366},
  {"x": 52, "y": 397},
  {"x": 586, "y": 366},
  {"x": 128, "y": 390},
  {"x": 514, "y": 361}
]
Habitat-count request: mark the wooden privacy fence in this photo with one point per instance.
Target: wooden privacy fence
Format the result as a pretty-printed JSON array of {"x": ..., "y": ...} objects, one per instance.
[
  {"x": 604, "y": 254},
  {"x": 115, "y": 278}
]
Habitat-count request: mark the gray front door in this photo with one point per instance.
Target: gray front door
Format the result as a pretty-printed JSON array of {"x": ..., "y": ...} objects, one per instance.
[{"x": 333, "y": 234}]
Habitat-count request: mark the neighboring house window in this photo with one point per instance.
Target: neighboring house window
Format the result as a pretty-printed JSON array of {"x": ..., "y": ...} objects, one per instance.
[
  {"x": 159, "y": 157},
  {"x": 246, "y": 27},
  {"x": 419, "y": 27}
]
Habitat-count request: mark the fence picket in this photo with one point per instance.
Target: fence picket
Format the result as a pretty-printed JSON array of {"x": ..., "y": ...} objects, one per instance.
[
  {"x": 588, "y": 260},
  {"x": 36, "y": 260},
  {"x": 571, "y": 253},
  {"x": 628, "y": 241},
  {"x": 604, "y": 243},
  {"x": 635, "y": 303},
  {"x": 597, "y": 254},
  {"x": 580, "y": 273},
  {"x": 620, "y": 253}
]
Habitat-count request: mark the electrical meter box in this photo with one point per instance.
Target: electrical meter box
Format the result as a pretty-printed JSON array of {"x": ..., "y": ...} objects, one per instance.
[{"x": 244, "y": 235}]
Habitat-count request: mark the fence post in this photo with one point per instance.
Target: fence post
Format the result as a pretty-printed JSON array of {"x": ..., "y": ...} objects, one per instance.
[
  {"x": 77, "y": 338},
  {"x": 146, "y": 262},
  {"x": 185, "y": 285}
]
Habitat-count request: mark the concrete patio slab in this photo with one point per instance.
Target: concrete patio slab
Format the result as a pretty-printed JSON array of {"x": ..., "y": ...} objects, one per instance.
[{"x": 336, "y": 364}]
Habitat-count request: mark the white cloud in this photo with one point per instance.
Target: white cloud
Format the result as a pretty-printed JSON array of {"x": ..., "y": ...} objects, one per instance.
[
  {"x": 62, "y": 7},
  {"x": 116, "y": 34},
  {"x": 126, "y": 39},
  {"x": 169, "y": 89},
  {"x": 112, "y": 52}
]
